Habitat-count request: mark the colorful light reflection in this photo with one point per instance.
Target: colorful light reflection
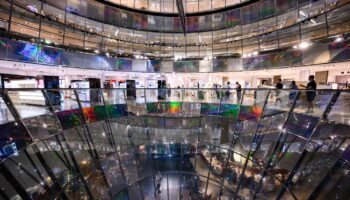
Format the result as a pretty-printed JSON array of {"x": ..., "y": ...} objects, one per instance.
[
  {"x": 70, "y": 118},
  {"x": 250, "y": 112},
  {"x": 174, "y": 107}
]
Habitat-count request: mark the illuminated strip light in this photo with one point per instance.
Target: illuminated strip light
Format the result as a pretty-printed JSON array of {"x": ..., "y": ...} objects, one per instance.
[
  {"x": 304, "y": 15},
  {"x": 313, "y": 21}
]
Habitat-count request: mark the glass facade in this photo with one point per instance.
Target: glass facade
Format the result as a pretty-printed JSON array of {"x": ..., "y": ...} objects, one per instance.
[{"x": 261, "y": 31}]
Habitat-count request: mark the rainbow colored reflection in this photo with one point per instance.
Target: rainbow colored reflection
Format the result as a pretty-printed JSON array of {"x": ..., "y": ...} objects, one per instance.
[
  {"x": 173, "y": 107},
  {"x": 210, "y": 109},
  {"x": 89, "y": 114},
  {"x": 164, "y": 107},
  {"x": 233, "y": 18},
  {"x": 96, "y": 113},
  {"x": 232, "y": 111},
  {"x": 250, "y": 112},
  {"x": 155, "y": 107},
  {"x": 28, "y": 52},
  {"x": 229, "y": 110},
  {"x": 70, "y": 118},
  {"x": 117, "y": 110}
]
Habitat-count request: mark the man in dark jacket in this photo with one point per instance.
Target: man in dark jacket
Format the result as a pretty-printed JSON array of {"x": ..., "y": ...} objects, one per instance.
[
  {"x": 239, "y": 92},
  {"x": 279, "y": 86},
  {"x": 311, "y": 93}
]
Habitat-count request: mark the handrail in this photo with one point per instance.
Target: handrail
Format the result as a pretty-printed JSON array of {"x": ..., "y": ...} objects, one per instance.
[
  {"x": 297, "y": 22},
  {"x": 189, "y": 89}
]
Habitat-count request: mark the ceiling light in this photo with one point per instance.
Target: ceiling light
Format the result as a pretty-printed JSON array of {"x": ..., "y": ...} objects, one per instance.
[
  {"x": 304, "y": 45},
  {"x": 96, "y": 51},
  {"x": 295, "y": 47},
  {"x": 302, "y": 13},
  {"x": 255, "y": 53},
  {"x": 244, "y": 55},
  {"x": 339, "y": 39}
]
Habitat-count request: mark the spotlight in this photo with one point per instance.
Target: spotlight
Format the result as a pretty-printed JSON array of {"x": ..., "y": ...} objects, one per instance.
[{"x": 295, "y": 47}]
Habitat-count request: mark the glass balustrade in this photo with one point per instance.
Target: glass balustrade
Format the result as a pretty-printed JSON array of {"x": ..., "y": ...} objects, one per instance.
[{"x": 205, "y": 143}]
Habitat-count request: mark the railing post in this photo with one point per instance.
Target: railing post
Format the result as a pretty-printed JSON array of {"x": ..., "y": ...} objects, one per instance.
[
  {"x": 251, "y": 150},
  {"x": 85, "y": 127},
  {"x": 275, "y": 148},
  {"x": 233, "y": 142},
  {"x": 76, "y": 166},
  {"x": 14, "y": 182},
  {"x": 304, "y": 152},
  {"x": 12, "y": 108}
]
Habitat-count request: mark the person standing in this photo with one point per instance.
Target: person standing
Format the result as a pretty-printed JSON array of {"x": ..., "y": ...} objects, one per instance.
[
  {"x": 310, "y": 93},
  {"x": 158, "y": 181},
  {"x": 294, "y": 92},
  {"x": 169, "y": 90},
  {"x": 216, "y": 89},
  {"x": 239, "y": 91},
  {"x": 227, "y": 92},
  {"x": 260, "y": 93},
  {"x": 279, "y": 86}
]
